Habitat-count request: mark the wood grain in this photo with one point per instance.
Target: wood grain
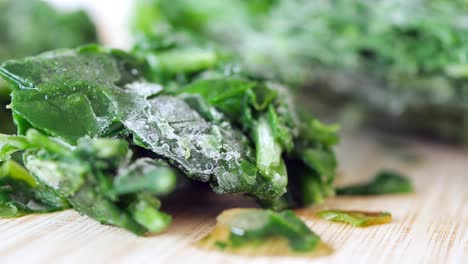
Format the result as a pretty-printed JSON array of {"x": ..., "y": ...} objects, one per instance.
[{"x": 430, "y": 226}]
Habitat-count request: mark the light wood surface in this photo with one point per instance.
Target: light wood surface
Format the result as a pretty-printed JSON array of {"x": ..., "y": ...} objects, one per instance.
[{"x": 430, "y": 226}]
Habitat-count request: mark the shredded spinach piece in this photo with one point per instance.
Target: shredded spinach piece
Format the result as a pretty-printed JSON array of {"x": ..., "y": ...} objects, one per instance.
[
  {"x": 250, "y": 227},
  {"x": 384, "y": 182},
  {"x": 356, "y": 218}
]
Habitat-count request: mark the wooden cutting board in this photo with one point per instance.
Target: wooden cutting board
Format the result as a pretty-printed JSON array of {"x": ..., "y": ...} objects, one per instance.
[{"x": 430, "y": 226}]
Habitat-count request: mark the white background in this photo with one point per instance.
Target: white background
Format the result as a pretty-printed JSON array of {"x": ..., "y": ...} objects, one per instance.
[{"x": 112, "y": 18}]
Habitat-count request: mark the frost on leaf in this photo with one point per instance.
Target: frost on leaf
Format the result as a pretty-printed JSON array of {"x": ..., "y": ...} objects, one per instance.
[{"x": 204, "y": 150}]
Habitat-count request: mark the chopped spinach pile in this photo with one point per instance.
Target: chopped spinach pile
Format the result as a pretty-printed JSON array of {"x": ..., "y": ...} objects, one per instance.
[
  {"x": 81, "y": 113},
  {"x": 29, "y": 27},
  {"x": 356, "y": 218},
  {"x": 403, "y": 63},
  {"x": 384, "y": 182},
  {"x": 97, "y": 177},
  {"x": 263, "y": 232}
]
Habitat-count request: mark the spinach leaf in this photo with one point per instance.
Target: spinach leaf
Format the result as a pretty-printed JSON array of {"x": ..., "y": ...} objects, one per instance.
[
  {"x": 11, "y": 144},
  {"x": 28, "y": 27},
  {"x": 259, "y": 225},
  {"x": 385, "y": 182},
  {"x": 266, "y": 111},
  {"x": 86, "y": 175},
  {"x": 251, "y": 227},
  {"x": 70, "y": 94},
  {"x": 21, "y": 195},
  {"x": 356, "y": 218},
  {"x": 145, "y": 211},
  {"x": 150, "y": 176},
  {"x": 204, "y": 150}
]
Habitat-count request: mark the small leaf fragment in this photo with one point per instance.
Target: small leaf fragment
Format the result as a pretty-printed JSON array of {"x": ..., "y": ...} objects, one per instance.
[
  {"x": 356, "y": 218},
  {"x": 385, "y": 182},
  {"x": 263, "y": 232}
]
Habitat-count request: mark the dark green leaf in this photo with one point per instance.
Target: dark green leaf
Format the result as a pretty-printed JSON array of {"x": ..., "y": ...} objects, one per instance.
[
  {"x": 147, "y": 175},
  {"x": 28, "y": 27},
  {"x": 83, "y": 175},
  {"x": 385, "y": 182},
  {"x": 254, "y": 226},
  {"x": 356, "y": 218},
  {"x": 225, "y": 94},
  {"x": 21, "y": 195},
  {"x": 145, "y": 211}
]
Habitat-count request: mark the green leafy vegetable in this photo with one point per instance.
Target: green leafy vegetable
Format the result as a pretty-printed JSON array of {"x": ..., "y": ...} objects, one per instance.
[
  {"x": 145, "y": 212},
  {"x": 262, "y": 232},
  {"x": 266, "y": 113},
  {"x": 257, "y": 225},
  {"x": 236, "y": 133},
  {"x": 114, "y": 96},
  {"x": 88, "y": 177},
  {"x": 155, "y": 177},
  {"x": 29, "y": 27},
  {"x": 348, "y": 52},
  {"x": 264, "y": 110},
  {"x": 356, "y": 218},
  {"x": 385, "y": 182},
  {"x": 21, "y": 195},
  {"x": 178, "y": 124}
]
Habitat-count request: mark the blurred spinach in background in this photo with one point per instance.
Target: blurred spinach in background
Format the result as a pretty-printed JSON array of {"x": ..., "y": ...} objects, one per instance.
[
  {"x": 29, "y": 27},
  {"x": 402, "y": 64}
]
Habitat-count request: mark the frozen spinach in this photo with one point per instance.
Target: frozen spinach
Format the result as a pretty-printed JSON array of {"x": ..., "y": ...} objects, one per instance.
[{"x": 239, "y": 134}]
